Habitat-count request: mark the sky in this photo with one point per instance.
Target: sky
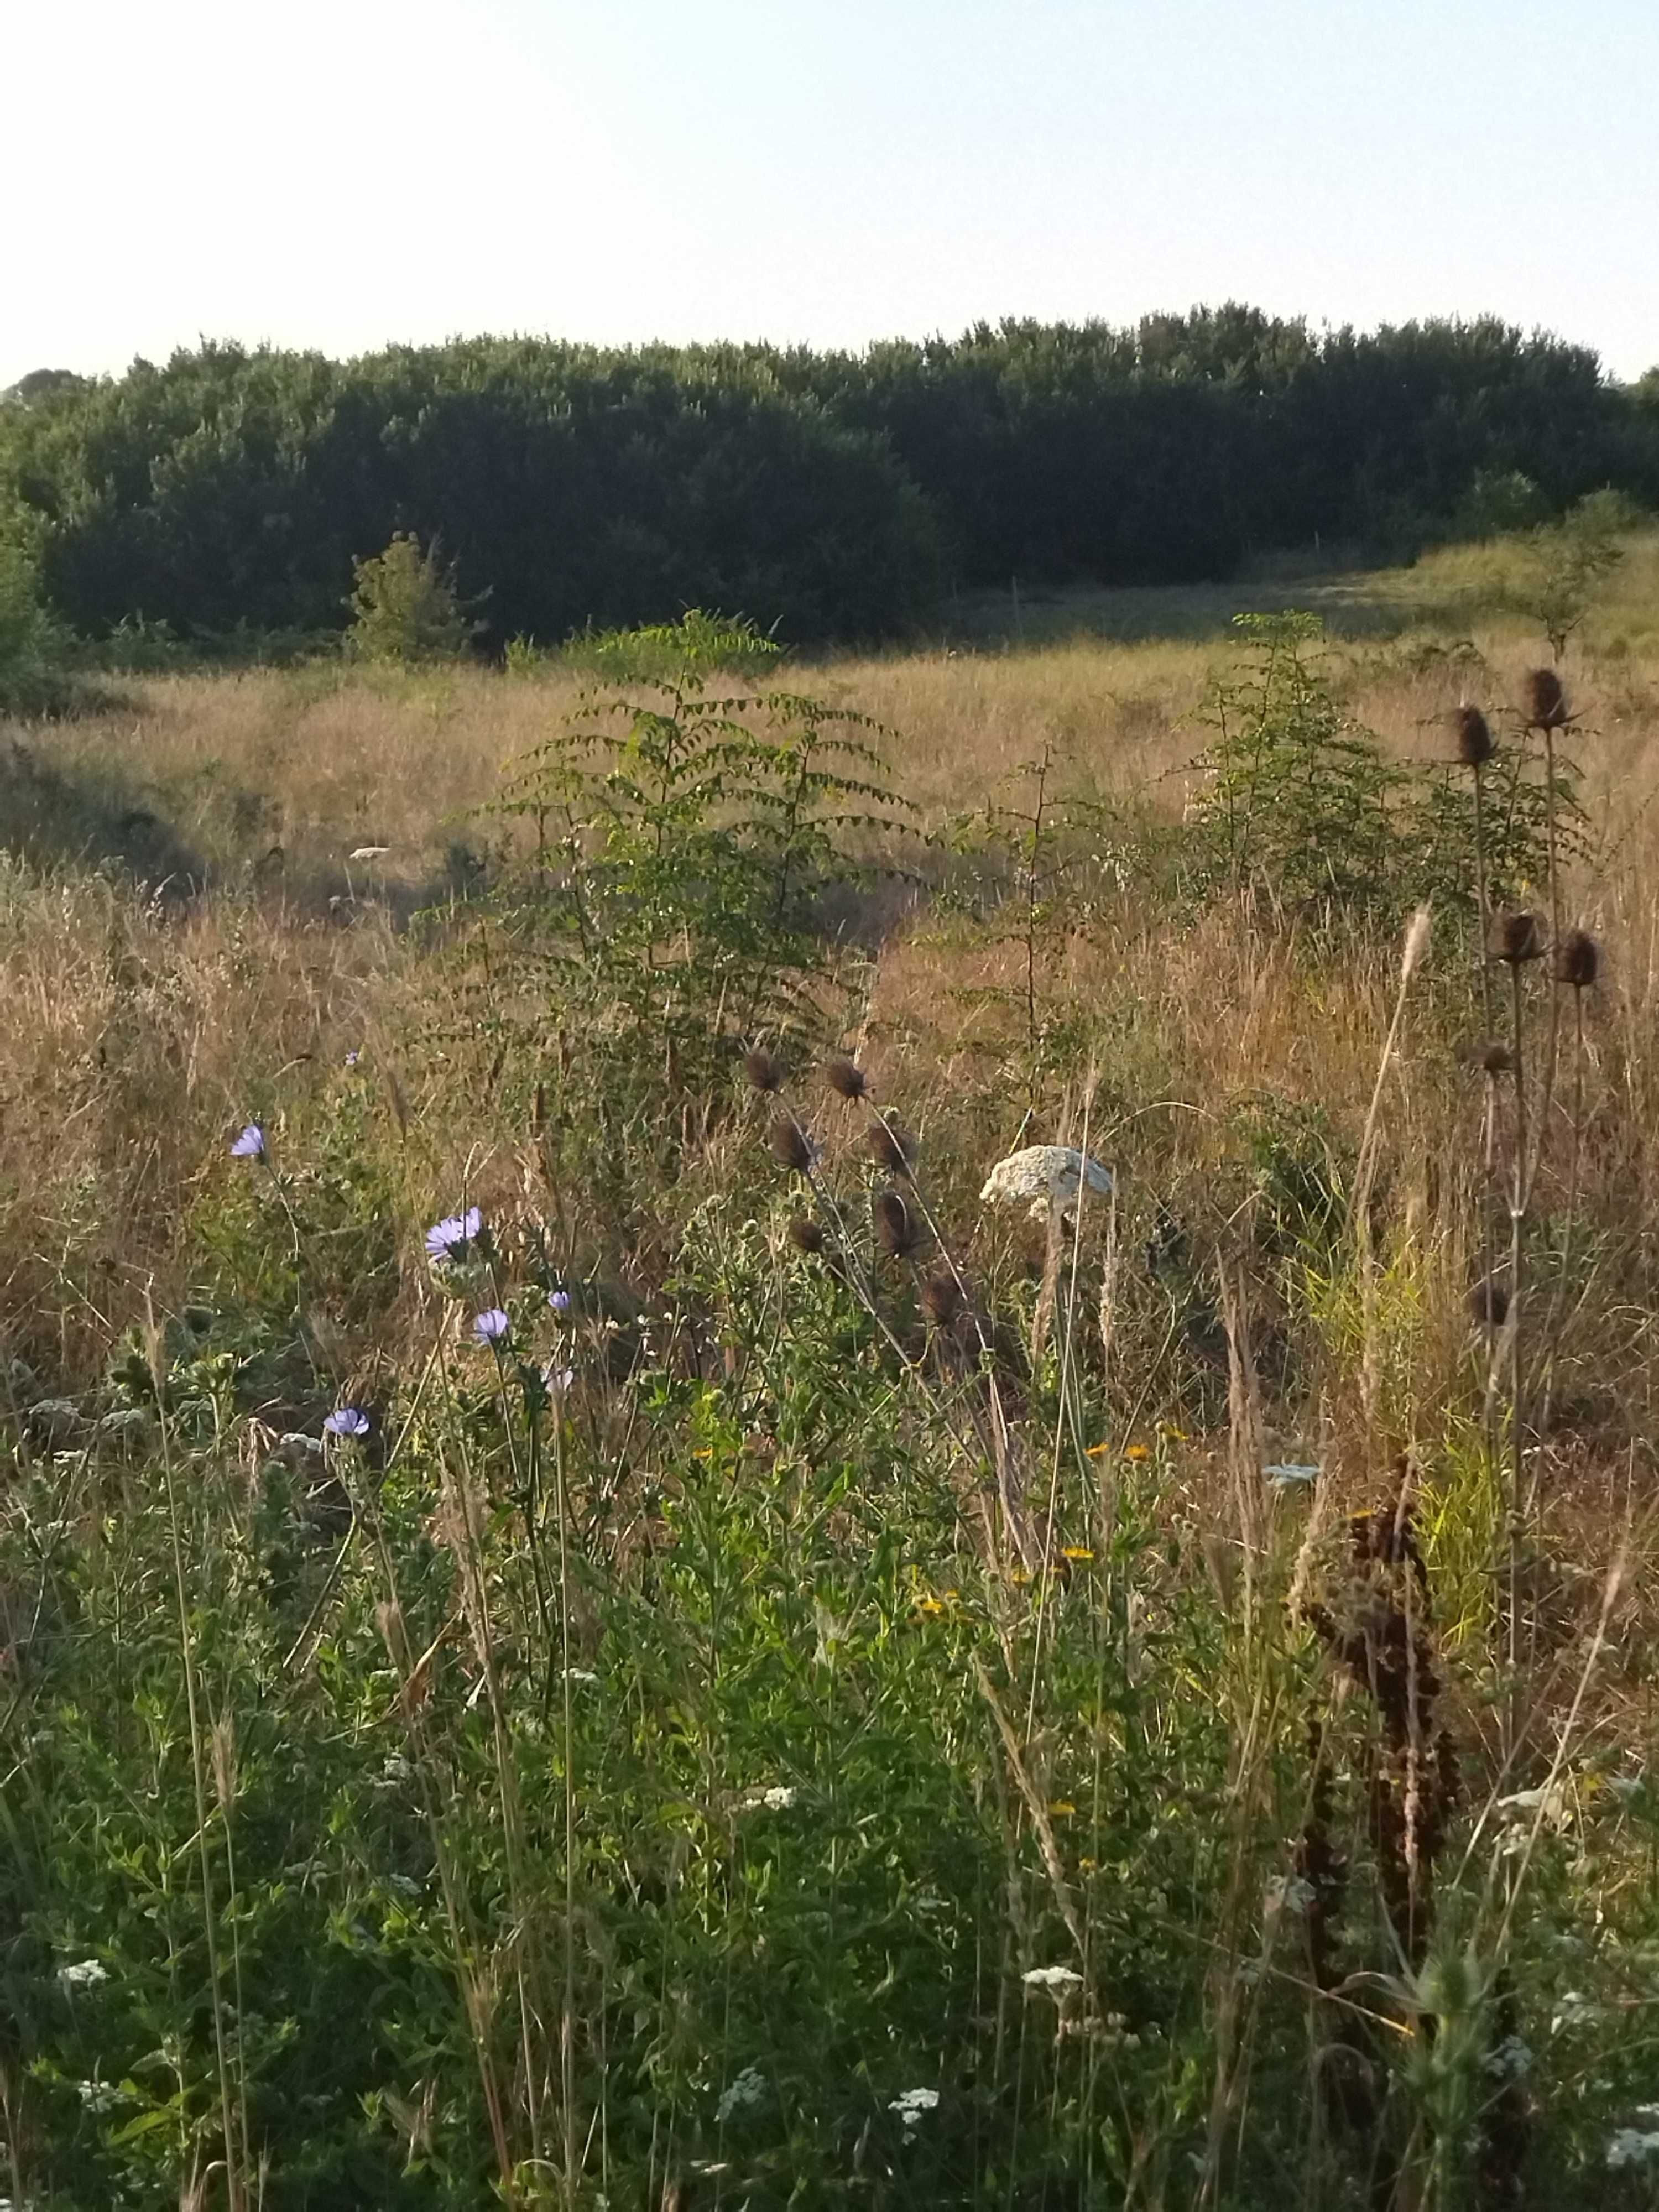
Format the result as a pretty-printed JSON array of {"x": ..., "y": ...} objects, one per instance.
[{"x": 343, "y": 173}]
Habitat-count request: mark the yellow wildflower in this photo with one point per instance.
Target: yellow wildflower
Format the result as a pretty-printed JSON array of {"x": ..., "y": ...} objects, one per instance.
[{"x": 1077, "y": 1551}]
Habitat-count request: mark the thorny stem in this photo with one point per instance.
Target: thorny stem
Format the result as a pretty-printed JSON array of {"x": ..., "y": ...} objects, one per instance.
[{"x": 1517, "y": 1373}]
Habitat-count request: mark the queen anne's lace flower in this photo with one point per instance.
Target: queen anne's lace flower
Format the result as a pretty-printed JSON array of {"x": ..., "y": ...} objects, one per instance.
[
  {"x": 1044, "y": 1177},
  {"x": 1052, "y": 1978},
  {"x": 748, "y": 2090},
  {"x": 911, "y": 2104}
]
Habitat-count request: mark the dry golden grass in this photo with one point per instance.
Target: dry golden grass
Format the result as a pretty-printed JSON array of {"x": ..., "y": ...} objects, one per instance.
[{"x": 136, "y": 1032}]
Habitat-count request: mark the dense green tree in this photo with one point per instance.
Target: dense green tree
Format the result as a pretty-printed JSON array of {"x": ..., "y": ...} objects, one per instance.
[{"x": 828, "y": 494}]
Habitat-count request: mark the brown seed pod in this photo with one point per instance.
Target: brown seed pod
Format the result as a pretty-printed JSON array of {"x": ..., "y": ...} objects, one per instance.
[
  {"x": 805, "y": 1233},
  {"x": 1496, "y": 1059},
  {"x": 1517, "y": 938},
  {"x": 790, "y": 1148},
  {"x": 1546, "y": 703},
  {"x": 1475, "y": 740},
  {"x": 896, "y": 1226},
  {"x": 890, "y": 1147},
  {"x": 844, "y": 1076},
  {"x": 1489, "y": 1304},
  {"x": 1578, "y": 959},
  {"x": 764, "y": 1069},
  {"x": 941, "y": 1299}
]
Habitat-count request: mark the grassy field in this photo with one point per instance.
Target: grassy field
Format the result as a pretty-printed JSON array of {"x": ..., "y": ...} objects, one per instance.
[{"x": 797, "y": 1683}]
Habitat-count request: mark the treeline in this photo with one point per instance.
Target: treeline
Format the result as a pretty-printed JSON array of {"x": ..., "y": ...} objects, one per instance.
[{"x": 834, "y": 494}]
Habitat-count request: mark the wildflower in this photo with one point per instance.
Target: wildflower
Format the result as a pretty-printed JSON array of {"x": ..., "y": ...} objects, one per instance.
[
  {"x": 580, "y": 1674},
  {"x": 557, "y": 1380},
  {"x": 251, "y": 1145},
  {"x": 1061, "y": 1808},
  {"x": 911, "y": 2104},
  {"x": 1057, "y": 1978},
  {"x": 1287, "y": 1474},
  {"x": 347, "y": 1421},
  {"x": 1137, "y": 1451},
  {"x": 558, "y": 1302},
  {"x": 84, "y": 1976},
  {"x": 491, "y": 1326},
  {"x": 451, "y": 1237},
  {"x": 1511, "y": 2060},
  {"x": 929, "y": 1608},
  {"x": 98, "y": 2096},
  {"x": 778, "y": 1798},
  {"x": 1174, "y": 1436},
  {"x": 1077, "y": 1551},
  {"x": 352, "y": 1058},
  {"x": 1049, "y": 1176},
  {"x": 746, "y": 2091}
]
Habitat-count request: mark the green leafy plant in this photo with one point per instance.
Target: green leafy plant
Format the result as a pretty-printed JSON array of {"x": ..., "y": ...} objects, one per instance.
[{"x": 685, "y": 855}]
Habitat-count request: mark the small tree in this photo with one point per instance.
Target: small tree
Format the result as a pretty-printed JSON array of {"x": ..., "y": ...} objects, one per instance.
[{"x": 406, "y": 608}]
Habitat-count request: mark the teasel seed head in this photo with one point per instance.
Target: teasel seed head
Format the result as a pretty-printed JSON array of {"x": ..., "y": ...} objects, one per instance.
[
  {"x": 889, "y": 1148},
  {"x": 764, "y": 1069},
  {"x": 1474, "y": 739},
  {"x": 1489, "y": 1303},
  {"x": 846, "y": 1077},
  {"x": 1517, "y": 938},
  {"x": 1496, "y": 1059},
  {"x": 942, "y": 1299},
  {"x": 805, "y": 1233},
  {"x": 1546, "y": 705},
  {"x": 896, "y": 1227},
  {"x": 1578, "y": 959},
  {"x": 790, "y": 1148}
]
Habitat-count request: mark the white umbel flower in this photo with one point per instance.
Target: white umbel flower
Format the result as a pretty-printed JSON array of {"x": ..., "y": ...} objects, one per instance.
[
  {"x": 1044, "y": 1177},
  {"x": 1052, "y": 1978}
]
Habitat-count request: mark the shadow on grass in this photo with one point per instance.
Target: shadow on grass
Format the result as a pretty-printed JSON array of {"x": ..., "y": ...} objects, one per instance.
[
  {"x": 52, "y": 816},
  {"x": 1357, "y": 604}
]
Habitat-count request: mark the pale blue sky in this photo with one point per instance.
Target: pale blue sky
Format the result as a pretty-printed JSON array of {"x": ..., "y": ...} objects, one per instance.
[{"x": 342, "y": 173}]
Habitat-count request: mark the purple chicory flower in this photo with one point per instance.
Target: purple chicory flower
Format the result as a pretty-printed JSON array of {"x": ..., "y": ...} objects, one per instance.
[
  {"x": 251, "y": 1145},
  {"x": 491, "y": 1326},
  {"x": 558, "y": 1302},
  {"x": 352, "y": 1058},
  {"x": 558, "y": 1379},
  {"x": 347, "y": 1421},
  {"x": 449, "y": 1238}
]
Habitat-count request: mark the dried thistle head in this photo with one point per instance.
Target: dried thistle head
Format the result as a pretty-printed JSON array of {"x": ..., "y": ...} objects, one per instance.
[
  {"x": 1578, "y": 959},
  {"x": 1517, "y": 938},
  {"x": 790, "y": 1147},
  {"x": 764, "y": 1069},
  {"x": 1545, "y": 703},
  {"x": 890, "y": 1147},
  {"x": 845, "y": 1077},
  {"x": 805, "y": 1233},
  {"x": 1474, "y": 738},
  {"x": 1496, "y": 1059},
  {"x": 1489, "y": 1303},
  {"x": 895, "y": 1226},
  {"x": 941, "y": 1299}
]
